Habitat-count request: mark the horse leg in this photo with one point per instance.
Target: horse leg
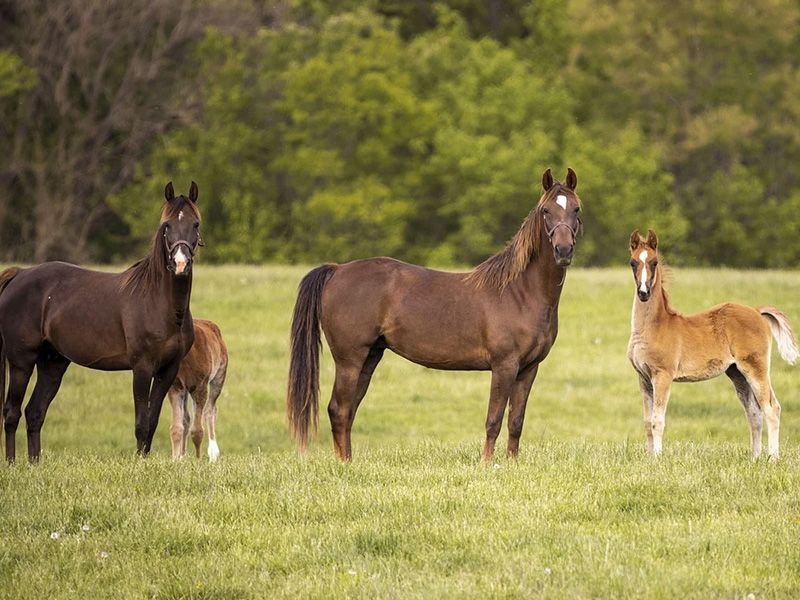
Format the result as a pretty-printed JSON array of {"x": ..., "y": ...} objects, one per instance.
[
  {"x": 18, "y": 377},
  {"x": 142, "y": 379},
  {"x": 50, "y": 369},
  {"x": 751, "y": 409},
  {"x": 199, "y": 398},
  {"x": 661, "y": 387},
  {"x": 503, "y": 377},
  {"x": 177, "y": 400},
  {"x": 210, "y": 412},
  {"x": 757, "y": 375},
  {"x": 773, "y": 413},
  {"x": 163, "y": 380},
  {"x": 516, "y": 410},
  {"x": 187, "y": 420},
  {"x": 646, "y": 386},
  {"x": 344, "y": 401}
]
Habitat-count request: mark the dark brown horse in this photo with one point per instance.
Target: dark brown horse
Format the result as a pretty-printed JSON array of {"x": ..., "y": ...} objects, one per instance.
[
  {"x": 501, "y": 316},
  {"x": 54, "y": 314}
]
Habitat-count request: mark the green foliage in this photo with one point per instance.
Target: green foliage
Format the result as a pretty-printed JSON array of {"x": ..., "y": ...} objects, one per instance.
[{"x": 335, "y": 130}]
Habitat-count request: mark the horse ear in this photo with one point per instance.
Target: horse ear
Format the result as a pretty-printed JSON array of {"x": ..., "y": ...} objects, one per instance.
[
  {"x": 652, "y": 239},
  {"x": 169, "y": 192},
  {"x": 193, "y": 192},
  {"x": 572, "y": 179},
  {"x": 547, "y": 180},
  {"x": 636, "y": 240}
]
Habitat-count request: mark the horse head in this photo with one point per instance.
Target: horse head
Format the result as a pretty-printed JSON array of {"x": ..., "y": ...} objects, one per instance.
[
  {"x": 644, "y": 262},
  {"x": 180, "y": 225}
]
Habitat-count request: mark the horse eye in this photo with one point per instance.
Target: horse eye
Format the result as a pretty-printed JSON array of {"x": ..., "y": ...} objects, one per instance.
[
  {"x": 577, "y": 209},
  {"x": 654, "y": 264},
  {"x": 197, "y": 225},
  {"x": 545, "y": 211}
]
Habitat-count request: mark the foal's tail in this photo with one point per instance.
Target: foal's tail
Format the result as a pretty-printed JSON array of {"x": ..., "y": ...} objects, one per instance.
[
  {"x": 782, "y": 331},
  {"x": 302, "y": 400},
  {"x": 5, "y": 278}
]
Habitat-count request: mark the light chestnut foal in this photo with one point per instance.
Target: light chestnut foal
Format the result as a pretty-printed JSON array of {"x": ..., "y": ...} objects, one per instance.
[
  {"x": 666, "y": 346},
  {"x": 202, "y": 370}
]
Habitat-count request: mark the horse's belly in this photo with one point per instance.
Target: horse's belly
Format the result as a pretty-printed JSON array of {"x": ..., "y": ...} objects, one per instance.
[{"x": 434, "y": 354}]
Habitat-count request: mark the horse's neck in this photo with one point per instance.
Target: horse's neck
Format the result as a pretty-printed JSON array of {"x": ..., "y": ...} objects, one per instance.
[
  {"x": 180, "y": 291},
  {"x": 543, "y": 279},
  {"x": 646, "y": 314}
]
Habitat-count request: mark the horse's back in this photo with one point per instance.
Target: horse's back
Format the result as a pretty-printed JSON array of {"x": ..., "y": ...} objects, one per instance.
[
  {"x": 431, "y": 317},
  {"x": 76, "y": 310}
]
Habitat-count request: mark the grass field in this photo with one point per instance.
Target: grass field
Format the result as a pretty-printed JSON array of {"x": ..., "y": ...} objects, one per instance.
[{"x": 582, "y": 513}]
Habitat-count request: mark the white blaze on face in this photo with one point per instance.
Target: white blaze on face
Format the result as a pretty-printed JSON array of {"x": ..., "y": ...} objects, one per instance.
[
  {"x": 180, "y": 261},
  {"x": 643, "y": 258},
  {"x": 561, "y": 200},
  {"x": 180, "y": 215}
]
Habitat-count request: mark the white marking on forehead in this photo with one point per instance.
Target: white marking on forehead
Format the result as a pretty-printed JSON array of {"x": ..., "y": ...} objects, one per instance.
[
  {"x": 180, "y": 215},
  {"x": 643, "y": 258},
  {"x": 561, "y": 200}
]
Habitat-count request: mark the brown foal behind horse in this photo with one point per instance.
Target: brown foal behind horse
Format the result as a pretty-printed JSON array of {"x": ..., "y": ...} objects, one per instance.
[
  {"x": 666, "y": 346},
  {"x": 202, "y": 369}
]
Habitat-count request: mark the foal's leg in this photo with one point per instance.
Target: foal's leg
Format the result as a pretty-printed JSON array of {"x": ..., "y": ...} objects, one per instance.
[
  {"x": 503, "y": 377},
  {"x": 646, "y": 386},
  {"x": 177, "y": 431},
  {"x": 661, "y": 387},
  {"x": 199, "y": 398},
  {"x": 18, "y": 377},
  {"x": 751, "y": 409},
  {"x": 517, "y": 403},
  {"x": 50, "y": 369},
  {"x": 210, "y": 412},
  {"x": 757, "y": 376}
]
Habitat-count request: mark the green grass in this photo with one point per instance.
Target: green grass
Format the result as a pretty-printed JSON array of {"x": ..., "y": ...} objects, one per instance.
[{"x": 582, "y": 513}]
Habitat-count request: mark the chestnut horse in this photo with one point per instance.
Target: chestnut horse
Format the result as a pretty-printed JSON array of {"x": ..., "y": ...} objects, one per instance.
[
  {"x": 501, "y": 316},
  {"x": 202, "y": 369},
  {"x": 666, "y": 346},
  {"x": 55, "y": 314}
]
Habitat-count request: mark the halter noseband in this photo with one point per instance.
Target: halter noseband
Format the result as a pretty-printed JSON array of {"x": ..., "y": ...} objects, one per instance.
[
  {"x": 551, "y": 231},
  {"x": 192, "y": 248}
]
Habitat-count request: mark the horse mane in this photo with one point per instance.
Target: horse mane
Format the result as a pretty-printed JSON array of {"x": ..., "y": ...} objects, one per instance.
[
  {"x": 502, "y": 268},
  {"x": 666, "y": 279},
  {"x": 146, "y": 274}
]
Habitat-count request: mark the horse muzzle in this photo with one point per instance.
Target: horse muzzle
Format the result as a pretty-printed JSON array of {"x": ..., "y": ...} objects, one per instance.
[
  {"x": 563, "y": 254},
  {"x": 643, "y": 296},
  {"x": 181, "y": 260}
]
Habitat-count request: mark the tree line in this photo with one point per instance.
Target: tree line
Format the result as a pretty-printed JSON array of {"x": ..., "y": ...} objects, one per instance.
[{"x": 332, "y": 130}]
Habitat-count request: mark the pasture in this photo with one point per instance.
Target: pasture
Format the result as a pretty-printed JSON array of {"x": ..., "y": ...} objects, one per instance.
[{"x": 582, "y": 513}]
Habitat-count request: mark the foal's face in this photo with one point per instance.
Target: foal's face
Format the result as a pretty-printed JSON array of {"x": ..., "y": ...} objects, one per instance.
[
  {"x": 644, "y": 262},
  {"x": 181, "y": 230},
  {"x": 561, "y": 216}
]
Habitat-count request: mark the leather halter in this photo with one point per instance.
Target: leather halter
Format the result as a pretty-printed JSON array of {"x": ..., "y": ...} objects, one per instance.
[
  {"x": 551, "y": 231},
  {"x": 192, "y": 248}
]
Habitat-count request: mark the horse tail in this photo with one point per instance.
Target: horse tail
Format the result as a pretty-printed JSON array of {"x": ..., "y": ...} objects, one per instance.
[
  {"x": 302, "y": 400},
  {"x": 782, "y": 332},
  {"x": 5, "y": 278}
]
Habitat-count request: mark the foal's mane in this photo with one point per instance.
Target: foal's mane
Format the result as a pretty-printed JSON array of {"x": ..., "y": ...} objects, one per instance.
[
  {"x": 504, "y": 267},
  {"x": 146, "y": 274}
]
